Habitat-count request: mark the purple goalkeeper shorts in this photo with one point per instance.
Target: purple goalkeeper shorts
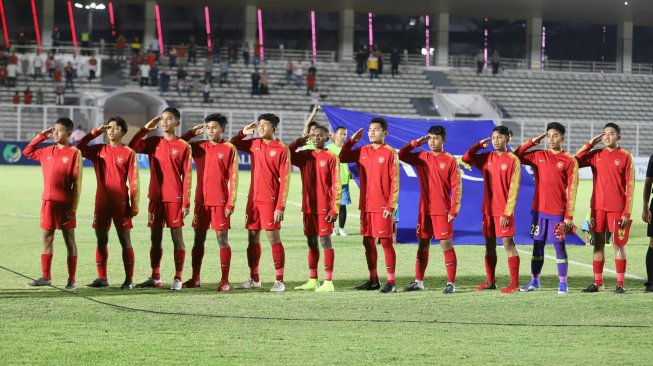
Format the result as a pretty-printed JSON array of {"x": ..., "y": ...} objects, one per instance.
[{"x": 543, "y": 226}]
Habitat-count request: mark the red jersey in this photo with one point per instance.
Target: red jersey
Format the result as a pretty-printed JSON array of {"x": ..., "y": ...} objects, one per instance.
[
  {"x": 270, "y": 169},
  {"x": 439, "y": 180},
  {"x": 62, "y": 171},
  {"x": 114, "y": 166},
  {"x": 501, "y": 178},
  {"x": 556, "y": 180},
  {"x": 321, "y": 188},
  {"x": 170, "y": 167},
  {"x": 378, "y": 171},
  {"x": 217, "y": 172},
  {"x": 613, "y": 175}
]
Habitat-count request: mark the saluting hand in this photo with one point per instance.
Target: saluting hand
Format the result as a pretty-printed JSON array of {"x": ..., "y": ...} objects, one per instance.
[
  {"x": 485, "y": 142},
  {"x": 153, "y": 123},
  {"x": 596, "y": 139},
  {"x": 538, "y": 139},
  {"x": 198, "y": 129},
  {"x": 48, "y": 131},
  {"x": 422, "y": 140},
  {"x": 249, "y": 129},
  {"x": 357, "y": 136}
]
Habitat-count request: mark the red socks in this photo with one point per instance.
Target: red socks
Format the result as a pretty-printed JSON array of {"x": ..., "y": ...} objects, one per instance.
[
  {"x": 253, "y": 258},
  {"x": 101, "y": 257},
  {"x": 279, "y": 258},
  {"x": 180, "y": 257},
  {"x": 620, "y": 265},
  {"x": 390, "y": 259},
  {"x": 155, "y": 262},
  {"x": 421, "y": 263},
  {"x": 72, "y": 267},
  {"x": 513, "y": 268},
  {"x": 490, "y": 268},
  {"x": 128, "y": 263},
  {"x": 451, "y": 264},
  {"x": 313, "y": 260},
  {"x": 225, "y": 263},
  {"x": 598, "y": 272},
  {"x": 197, "y": 254},
  {"x": 329, "y": 256},
  {"x": 371, "y": 256},
  {"x": 46, "y": 265}
]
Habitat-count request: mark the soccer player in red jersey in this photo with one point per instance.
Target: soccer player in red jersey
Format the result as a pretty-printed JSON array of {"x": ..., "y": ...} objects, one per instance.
[
  {"x": 646, "y": 217},
  {"x": 378, "y": 168},
  {"x": 268, "y": 192},
  {"x": 556, "y": 181},
  {"x": 501, "y": 177},
  {"x": 62, "y": 183},
  {"x": 216, "y": 162},
  {"x": 439, "y": 204},
  {"x": 169, "y": 192},
  {"x": 613, "y": 173},
  {"x": 115, "y": 165},
  {"x": 321, "y": 194}
]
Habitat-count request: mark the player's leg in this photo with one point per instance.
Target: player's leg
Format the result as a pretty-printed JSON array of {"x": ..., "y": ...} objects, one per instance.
[
  {"x": 342, "y": 219},
  {"x": 620, "y": 267},
  {"x": 450, "y": 263},
  {"x": 128, "y": 259},
  {"x": 384, "y": 229},
  {"x": 598, "y": 225},
  {"x": 513, "y": 264},
  {"x": 371, "y": 254},
  {"x": 179, "y": 256},
  {"x": 101, "y": 257},
  {"x": 313, "y": 260},
  {"x": 253, "y": 259},
  {"x": 46, "y": 259},
  {"x": 538, "y": 233},
  {"x": 71, "y": 260},
  {"x": 329, "y": 257},
  {"x": 225, "y": 259},
  {"x": 421, "y": 262},
  {"x": 155, "y": 221},
  {"x": 278, "y": 257},
  {"x": 490, "y": 264},
  {"x": 197, "y": 255},
  {"x": 649, "y": 262}
]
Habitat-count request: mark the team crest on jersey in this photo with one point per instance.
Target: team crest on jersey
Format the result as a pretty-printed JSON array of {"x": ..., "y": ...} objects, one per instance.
[
  {"x": 443, "y": 165},
  {"x": 560, "y": 165},
  {"x": 323, "y": 163},
  {"x": 273, "y": 153},
  {"x": 65, "y": 159},
  {"x": 220, "y": 155},
  {"x": 617, "y": 162},
  {"x": 175, "y": 151},
  {"x": 381, "y": 159},
  {"x": 120, "y": 159},
  {"x": 504, "y": 166}
]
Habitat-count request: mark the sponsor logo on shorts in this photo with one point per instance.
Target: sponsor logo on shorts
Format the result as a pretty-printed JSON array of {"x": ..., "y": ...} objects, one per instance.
[
  {"x": 444, "y": 233},
  {"x": 270, "y": 223},
  {"x": 504, "y": 231},
  {"x": 323, "y": 230},
  {"x": 223, "y": 224},
  {"x": 381, "y": 231}
]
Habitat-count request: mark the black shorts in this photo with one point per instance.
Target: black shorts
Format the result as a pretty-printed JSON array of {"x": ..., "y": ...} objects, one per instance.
[{"x": 649, "y": 227}]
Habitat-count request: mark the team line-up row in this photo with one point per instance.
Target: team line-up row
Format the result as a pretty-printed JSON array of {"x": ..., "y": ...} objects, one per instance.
[{"x": 325, "y": 194}]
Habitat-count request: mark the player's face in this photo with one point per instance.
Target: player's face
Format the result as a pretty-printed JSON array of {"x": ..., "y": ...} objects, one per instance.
[
  {"x": 265, "y": 129},
  {"x": 319, "y": 138},
  {"x": 114, "y": 132},
  {"x": 436, "y": 142},
  {"x": 214, "y": 131},
  {"x": 376, "y": 133},
  {"x": 554, "y": 139},
  {"x": 499, "y": 141},
  {"x": 60, "y": 134},
  {"x": 169, "y": 122},
  {"x": 340, "y": 136},
  {"x": 610, "y": 137}
]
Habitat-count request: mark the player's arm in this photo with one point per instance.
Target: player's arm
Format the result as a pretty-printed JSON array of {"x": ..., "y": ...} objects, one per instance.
[
  {"x": 134, "y": 184},
  {"x": 188, "y": 179},
  {"x": 296, "y": 157},
  {"x": 391, "y": 205},
  {"x": 336, "y": 190},
  {"x": 310, "y": 119},
  {"x": 630, "y": 190},
  {"x": 648, "y": 183},
  {"x": 196, "y": 148},
  {"x": 239, "y": 140},
  {"x": 522, "y": 153},
  {"x": 472, "y": 158},
  {"x": 585, "y": 155},
  {"x": 233, "y": 182},
  {"x": 87, "y": 151},
  {"x": 137, "y": 143},
  {"x": 32, "y": 151},
  {"x": 513, "y": 190},
  {"x": 348, "y": 154},
  {"x": 77, "y": 181},
  {"x": 409, "y": 157},
  {"x": 572, "y": 188},
  {"x": 456, "y": 182},
  {"x": 284, "y": 184}
]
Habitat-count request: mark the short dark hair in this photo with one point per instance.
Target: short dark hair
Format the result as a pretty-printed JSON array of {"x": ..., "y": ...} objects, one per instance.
[
  {"x": 613, "y": 125},
  {"x": 438, "y": 130},
  {"x": 66, "y": 122},
  {"x": 340, "y": 128},
  {"x": 502, "y": 130},
  {"x": 325, "y": 129},
  {"x": 556, "y": 126},
  {"x": 272, "y": 118},
  {"x": 381, "y": 121},
  {"x": 120, "y": 122},
  {"x": 174, "y": 111},
  {"x": 217, "y": 117},
  {"x": 311, "y": 124}
]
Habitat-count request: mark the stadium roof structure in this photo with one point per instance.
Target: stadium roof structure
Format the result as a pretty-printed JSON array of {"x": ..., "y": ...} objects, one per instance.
[{"x": 564, "y": 11}]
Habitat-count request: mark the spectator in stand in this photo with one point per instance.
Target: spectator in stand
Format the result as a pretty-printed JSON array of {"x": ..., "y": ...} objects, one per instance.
[
  {"x": 172, "y": 54},
  {"x": 373, "y": 66},
  {"x": 181, "y": 80},
  {"x": 480, "y": 62},
  {"x": 11, "y": 75},
  {"x": 75, "y": 63},
  {"x": 265, "y": 79},
  {"x": 121, "y": 44},
  {"x": 256, "y": 79},
  {"x": 208, "y": 70},
  {"x": 245, "y": 53},
  {"x": 56, "y": 75},
  {"x": 195, "y": 82},
  {"x": 13, "y": 58},
  {"x": 49, "y": 65},
  {"x": 151, "y": 58},
  {"x": 154, "y": 47},
  {"x": 206, "y": 92},
  {"x": 181, "y": 52},
  {"x": 136, "y": 46},
  {"x": 315, "y": 99},
  {"x": 86, "y": 43},
  {"x": 39, "y": 96},
  {"x": 496, "y": 59},
  {"x": 21, "y": 41},
  {"x": 257, "y": 53},
  {"x": 77, "y": 134},
  {"x": 154, "y": 75},
  {"x": 16, "y": 98},
  {"x": 56, "y": 39},
  {"x": 92, "y": 68},
  {"x": 59, "y": 90},
  {"x": 69, "y": 72},
  {"x": 27, "y": 96},
  {"x": 395, "y": 58},
  {"x": 379, "y": 57},
  {"x": 37, "y": 66},
  {"x": 232, "y": 52},
  {"x": 192, "y": 51},
  {"x": 145, "y": 74},
  {"x": 216, "y": 49},
  {"x": 133, "y": 67},
  {"x": 310, "y": 83},
  {"x": 25, "y": 66},
  {"x": 361, "y": 60},
  {"x": 298, "y": 71},
  {"x": 289, "y": 70},
  {"x": 224, "y": 71},
  {"x": 3, "y": 75},
  {"x": 165, "y": 80}
]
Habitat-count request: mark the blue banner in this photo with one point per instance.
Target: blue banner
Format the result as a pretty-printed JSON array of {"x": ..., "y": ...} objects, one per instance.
[{"x": 460, "y": 136}]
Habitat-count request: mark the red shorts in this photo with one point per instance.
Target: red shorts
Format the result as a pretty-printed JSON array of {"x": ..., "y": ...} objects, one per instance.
[
  {"x": 492, "y": 227},
  {"x": 161, "y": 214},
  {"x": 103, "y": 216},
  {"x": 375, "y": 225},
  {"x": 317, "y": 225},
  {"x": 56, "y": 215},
  {"x": 437, "y": 226},
  {"x": 213, "y": 215},
  {"x": 601, "y": 221},
  {"x": 260, "y": 216}
]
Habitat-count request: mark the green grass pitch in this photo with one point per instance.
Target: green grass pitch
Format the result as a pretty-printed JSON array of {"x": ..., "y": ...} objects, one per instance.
[{"x": 47, "y": 326}]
